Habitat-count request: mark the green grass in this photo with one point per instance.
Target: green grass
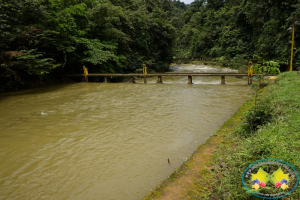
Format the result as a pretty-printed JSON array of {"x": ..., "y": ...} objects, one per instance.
[{"x": 277, "y": 138}]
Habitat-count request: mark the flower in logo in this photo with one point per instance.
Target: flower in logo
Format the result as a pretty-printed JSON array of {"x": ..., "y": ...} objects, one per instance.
[
  {"x": 260, "y": 179},
  {"x": 262, "y": 184},
  {"x": 280, "y": 179},
  {"x": 278, "y": 184}
]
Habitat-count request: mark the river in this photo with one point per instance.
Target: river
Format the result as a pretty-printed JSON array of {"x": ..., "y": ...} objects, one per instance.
[{"x": 108, "y": 141}]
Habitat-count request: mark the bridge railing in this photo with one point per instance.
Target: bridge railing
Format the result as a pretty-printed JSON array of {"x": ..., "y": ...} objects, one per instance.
[{"x": 190, "y": 75}]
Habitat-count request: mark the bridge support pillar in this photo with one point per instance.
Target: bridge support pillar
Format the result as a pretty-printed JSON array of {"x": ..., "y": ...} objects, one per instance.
[
  {"x": 132, "y": 79},
  {"x": 145, "y": 79},
  {"x": 249, "y": 80},
  {"x": 159, "y": 79},
  {"x": 223, "y": 80},
  {"x": 105, "y": 79},
  {"x": 190, "y": 80}
]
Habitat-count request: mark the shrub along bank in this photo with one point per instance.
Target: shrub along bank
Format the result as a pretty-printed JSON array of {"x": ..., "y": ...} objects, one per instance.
[{"x": 271, "y": 129}]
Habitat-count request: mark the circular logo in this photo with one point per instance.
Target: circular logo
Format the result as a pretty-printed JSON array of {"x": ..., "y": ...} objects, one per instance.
[{"x": 270, "y": 179}]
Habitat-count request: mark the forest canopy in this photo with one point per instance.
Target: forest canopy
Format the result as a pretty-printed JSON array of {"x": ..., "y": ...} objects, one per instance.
[
  {"x": 240, "y": 29},
  {"x": 40, "y": 38}
]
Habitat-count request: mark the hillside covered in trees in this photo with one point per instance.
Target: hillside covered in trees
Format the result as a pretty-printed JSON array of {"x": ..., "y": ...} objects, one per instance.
[
  {"x": 44, "y": 38},
  {"x": 234, "y": 30}
]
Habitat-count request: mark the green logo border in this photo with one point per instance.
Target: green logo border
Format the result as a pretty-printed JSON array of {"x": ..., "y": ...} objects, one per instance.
[{"x": 270, "y": 159}]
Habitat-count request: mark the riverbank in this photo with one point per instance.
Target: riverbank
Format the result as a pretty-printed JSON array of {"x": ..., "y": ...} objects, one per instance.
[
  {"x": 194, "y": 178},
  {"x": 270, "y": 129}
]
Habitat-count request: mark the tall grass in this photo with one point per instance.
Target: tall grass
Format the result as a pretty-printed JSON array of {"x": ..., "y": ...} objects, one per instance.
[{"x": 275, "y": 134}]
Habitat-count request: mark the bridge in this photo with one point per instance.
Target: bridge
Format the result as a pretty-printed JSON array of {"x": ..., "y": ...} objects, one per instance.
[{"x": 160, "y": 75}]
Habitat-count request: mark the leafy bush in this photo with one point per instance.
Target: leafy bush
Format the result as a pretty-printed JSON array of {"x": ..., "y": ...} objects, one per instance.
[
  {"x": 266, "y": 68},
  {"x": 254, "y": 119}
]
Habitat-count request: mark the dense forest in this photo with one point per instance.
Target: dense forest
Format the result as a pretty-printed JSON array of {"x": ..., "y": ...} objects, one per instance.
[
  {"x": 237, "y": 30},
  {"x": 44, "y": 39}
]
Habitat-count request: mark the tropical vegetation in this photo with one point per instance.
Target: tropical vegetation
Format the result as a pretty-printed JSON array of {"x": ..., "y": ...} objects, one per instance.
[
  {"x": 42, "y": 39},
  {"x": 39, "y": 37}
]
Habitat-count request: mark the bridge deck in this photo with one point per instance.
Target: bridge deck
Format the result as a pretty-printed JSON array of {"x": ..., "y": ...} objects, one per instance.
[
  {"x": 165, "y": 74},
  {"x": 160, "y": 75}
]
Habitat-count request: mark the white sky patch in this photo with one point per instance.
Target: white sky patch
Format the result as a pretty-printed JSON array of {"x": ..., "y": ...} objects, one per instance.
[{"x": 187, "y": 1}]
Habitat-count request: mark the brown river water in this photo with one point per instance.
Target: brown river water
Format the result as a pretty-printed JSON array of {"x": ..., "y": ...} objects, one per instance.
[{"x": 108, "y": 141}]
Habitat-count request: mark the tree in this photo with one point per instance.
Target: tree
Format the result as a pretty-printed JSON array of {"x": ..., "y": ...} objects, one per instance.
[
  {"x": 60, "y": 36},
  {"x": 197, "y": 4}
]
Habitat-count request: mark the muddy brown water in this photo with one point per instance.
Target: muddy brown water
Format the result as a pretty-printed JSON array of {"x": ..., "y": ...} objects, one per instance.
[{"x": 108, "y": 141}]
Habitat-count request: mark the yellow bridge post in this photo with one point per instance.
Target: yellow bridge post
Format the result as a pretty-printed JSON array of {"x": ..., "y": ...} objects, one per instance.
[
  {"x": 86, "y": 73},
  {"x": 250, "y": 73},
  {"x": 145, "y": 73}
]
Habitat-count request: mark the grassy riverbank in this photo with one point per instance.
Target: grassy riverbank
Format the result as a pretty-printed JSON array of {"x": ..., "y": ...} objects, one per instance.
[{"x": 270, "y": 129}]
